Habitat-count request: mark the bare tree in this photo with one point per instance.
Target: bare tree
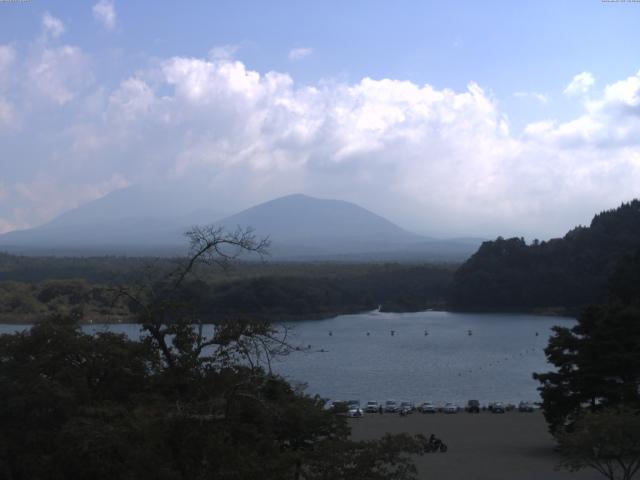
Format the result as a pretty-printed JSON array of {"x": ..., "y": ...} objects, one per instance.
[{"x": 175, "y": 328}]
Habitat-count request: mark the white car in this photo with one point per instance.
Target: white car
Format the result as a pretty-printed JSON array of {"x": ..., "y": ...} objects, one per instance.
[
  {"x": 451, "y": 408},
  {"x": 354, "y": 412},
  {"x": 372, "y": 407},
  {"x": 428, "y": 407}
]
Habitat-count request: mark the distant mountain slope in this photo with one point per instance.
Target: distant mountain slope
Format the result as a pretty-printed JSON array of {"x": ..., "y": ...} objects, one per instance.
[
  {"x": 568, "y": 272},
  {"x": 300, "y": 219},
  {"x": 131, "y": 217},
  {"x": 139, "y": 222},
  {"x": 307, "y": 228}
]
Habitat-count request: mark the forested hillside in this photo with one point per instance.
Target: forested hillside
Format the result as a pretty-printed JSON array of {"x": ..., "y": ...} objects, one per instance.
[
  {"x": 34, "y": 288},
  {"x": 562, "y": 274}
]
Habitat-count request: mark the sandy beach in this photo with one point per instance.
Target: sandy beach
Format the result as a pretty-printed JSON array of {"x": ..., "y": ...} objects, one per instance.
[{"x": 485, "y": 446}]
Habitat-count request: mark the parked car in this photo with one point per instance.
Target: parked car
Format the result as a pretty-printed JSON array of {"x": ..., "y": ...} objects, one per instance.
[
  {"x": 408, "y": 406},
  {"x": 473, "y": 406},
  {"x": 525, "y": 407},
  {"x": 428, "y": 407},
  {"x": 354, "y": 412},
  {"x": 353, "y": 403},
  {"x": 451, "y": 408},
  {"x": 372, "y": 407},
  {"x": 497, "y": 407},
  {"x": 390, "y": 406}
]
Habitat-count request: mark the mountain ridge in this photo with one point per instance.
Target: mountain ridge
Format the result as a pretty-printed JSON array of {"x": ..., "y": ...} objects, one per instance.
[{"x": 301, "y": 227}]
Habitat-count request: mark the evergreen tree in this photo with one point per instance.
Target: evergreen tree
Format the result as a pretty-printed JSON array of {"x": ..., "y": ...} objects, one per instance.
[{"x": 597, "y": 360}]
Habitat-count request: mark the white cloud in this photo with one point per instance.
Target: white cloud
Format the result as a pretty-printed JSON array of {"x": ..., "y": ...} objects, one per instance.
[
  {"x": 299, "y": 53},
  {"x": 609, "y": 122},
  {"x": 394, "y": 146},
  {"x": 262, "y": 135},
  {"x": 580, "y": 84},
  {"x": 52, "y": 26},
  {"x": 542, "y": 98},
  {"x": 430, "y": 158},
  {"x": 624, "y": 93},
  {"x": 59, "y": 73},
  {"x": 105, "y": 12}
]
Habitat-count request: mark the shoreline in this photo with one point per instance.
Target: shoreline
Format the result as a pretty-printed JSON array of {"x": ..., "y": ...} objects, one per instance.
[{"x": 128, "y": 320}]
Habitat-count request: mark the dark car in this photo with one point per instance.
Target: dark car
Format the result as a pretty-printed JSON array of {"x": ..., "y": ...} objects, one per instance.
[
  {"x": 390, "y": 406},
  {"x": 408, "y": 406},
  {"x": 525, "y": 407},
  {"x": 497, "y": 407},
  {"x": 473, "y": 406}
]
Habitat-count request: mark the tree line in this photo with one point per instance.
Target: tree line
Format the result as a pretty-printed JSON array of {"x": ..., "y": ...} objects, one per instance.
[
  {"x": 271, "y": 292},
  {"x": 563, "y": 274}
]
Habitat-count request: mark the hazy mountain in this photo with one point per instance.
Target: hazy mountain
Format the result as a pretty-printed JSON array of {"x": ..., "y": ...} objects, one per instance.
[
  {"x": 125, "y": 221},
  {"x": 303, "y": 227},
  {"x": 303, "y": 219},
  {"x": 137, "y": 221}
]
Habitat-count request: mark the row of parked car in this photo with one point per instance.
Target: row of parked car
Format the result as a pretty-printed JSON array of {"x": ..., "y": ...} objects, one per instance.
[{"x": 352, "y": 408}]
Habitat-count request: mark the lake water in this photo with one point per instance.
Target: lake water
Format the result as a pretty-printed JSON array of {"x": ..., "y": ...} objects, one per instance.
[{"x": 494, "y": 363}]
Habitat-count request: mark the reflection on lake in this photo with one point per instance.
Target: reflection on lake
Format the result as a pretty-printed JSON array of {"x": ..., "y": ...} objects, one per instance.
[{"x": 435, "y": 356}]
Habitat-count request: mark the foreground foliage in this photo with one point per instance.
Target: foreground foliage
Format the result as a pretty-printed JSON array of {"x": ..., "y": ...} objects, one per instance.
[
  {"x": 176, "y": 405},
  {"x": 598, "y": 360},
  {"x": 592, "y": 400},
  {"x": 607, "y": 441}
]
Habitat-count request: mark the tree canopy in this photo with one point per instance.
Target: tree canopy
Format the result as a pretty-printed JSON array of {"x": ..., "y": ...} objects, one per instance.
[
  {"x": 564, "y": 274},
  {"x": 176, "y": 405},
  {"x": 598, "y": 360},
  {"x": 607, "y": 441}
]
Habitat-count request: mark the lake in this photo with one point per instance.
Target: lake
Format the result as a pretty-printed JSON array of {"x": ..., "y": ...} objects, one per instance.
[{"x": 494, "y": 363}]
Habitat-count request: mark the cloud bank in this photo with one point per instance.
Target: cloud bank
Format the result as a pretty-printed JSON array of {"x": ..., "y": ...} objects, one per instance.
[{"x": 434, "y": 160}]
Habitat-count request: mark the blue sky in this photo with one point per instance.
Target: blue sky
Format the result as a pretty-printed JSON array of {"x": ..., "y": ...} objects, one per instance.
[
  {"x": 505, "y": 47},
  {"x": 470, "y": 101}
]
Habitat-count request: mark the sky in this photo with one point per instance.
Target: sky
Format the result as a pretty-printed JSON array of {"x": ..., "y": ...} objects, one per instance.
[{"x": 449, "y": 118}]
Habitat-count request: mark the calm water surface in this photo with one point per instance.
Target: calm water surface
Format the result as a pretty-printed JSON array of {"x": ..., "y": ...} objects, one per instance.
[{"x": 338, "y": 360}]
